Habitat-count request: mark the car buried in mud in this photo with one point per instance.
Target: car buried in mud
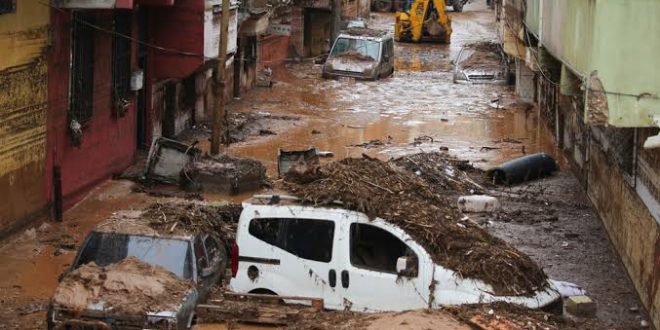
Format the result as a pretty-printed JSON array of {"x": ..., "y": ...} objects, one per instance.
[
  {"x": 352, "y": 262},
  {"x": 128, "y": 277},
  {"x": 361, "y": 53},
  {"x": 481, "y": 63}
]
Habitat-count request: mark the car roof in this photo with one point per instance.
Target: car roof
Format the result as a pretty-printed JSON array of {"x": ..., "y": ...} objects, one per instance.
[
  {"x": 365, "y": 33},
  {"x": 287, "y": 201},
  {"x": 131, "y": 222}
]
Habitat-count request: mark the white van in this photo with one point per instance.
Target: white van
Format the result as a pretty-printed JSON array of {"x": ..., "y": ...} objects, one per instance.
[{"x": 348, "y": 261}]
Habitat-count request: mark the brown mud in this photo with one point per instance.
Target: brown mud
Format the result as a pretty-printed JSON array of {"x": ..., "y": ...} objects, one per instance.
[{"x": 129, "y": 287}]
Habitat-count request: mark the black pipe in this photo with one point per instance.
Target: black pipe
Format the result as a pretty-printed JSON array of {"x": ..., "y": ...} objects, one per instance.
[
  {"x": 57, "y": 192},
  {"x": 523, "y": 169}
]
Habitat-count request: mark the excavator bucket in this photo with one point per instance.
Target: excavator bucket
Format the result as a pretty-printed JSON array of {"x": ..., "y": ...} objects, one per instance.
[{"x": 426, "y": 20}]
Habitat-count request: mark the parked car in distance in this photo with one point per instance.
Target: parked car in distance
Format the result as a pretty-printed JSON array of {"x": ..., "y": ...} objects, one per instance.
[
  {"x": 349, "y": 261},
  {"x": 195, "y": 258},
  {"x": 361, "y": 53},
  {"x": 481, "y": 63}
]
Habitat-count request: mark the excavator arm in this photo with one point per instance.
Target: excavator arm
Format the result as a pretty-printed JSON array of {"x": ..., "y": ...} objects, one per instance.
[{"x": 426, "y": 19}]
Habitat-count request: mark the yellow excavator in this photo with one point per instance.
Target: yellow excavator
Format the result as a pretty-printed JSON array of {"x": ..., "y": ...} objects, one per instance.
[{"x": 423, "y": 20}]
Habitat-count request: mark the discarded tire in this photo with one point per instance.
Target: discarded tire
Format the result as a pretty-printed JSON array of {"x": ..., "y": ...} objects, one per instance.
[{"x": 523, "y": 169}]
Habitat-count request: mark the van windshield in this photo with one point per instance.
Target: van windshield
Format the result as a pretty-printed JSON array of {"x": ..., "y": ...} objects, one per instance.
[
  {"x": 106, "y": 248},
  {"x": 358, "y": 48}
]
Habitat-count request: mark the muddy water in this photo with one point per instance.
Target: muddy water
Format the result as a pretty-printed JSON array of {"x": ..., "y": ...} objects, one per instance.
[{"x": 419, "y": 100}]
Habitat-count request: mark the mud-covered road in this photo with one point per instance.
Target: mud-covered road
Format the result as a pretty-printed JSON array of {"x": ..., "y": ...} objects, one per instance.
[{"x": 554, "y": 223}]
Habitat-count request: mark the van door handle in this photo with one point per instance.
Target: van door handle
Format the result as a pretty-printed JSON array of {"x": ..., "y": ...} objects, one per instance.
[
  {"x": 344, "y": 279},
  {"x": 332, "y": 278}
]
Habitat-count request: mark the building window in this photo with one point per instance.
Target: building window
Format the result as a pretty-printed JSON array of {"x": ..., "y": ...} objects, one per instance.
[
  {"x": 7, "y": 6},
  {"x": 82, "y": 68},
  {"x": 121, "y": 61}
]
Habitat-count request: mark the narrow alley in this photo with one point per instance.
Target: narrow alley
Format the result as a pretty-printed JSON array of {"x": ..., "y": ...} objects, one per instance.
[{"x": 419, "y": 110}]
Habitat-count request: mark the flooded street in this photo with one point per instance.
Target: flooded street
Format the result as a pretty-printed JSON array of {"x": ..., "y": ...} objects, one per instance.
[
  {"x": 418, "y": 109},
  {"x": 419, "y": 100}
]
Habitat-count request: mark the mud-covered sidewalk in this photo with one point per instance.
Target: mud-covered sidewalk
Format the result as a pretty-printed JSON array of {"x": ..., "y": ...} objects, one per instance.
[{"x": 418, "y": 109}]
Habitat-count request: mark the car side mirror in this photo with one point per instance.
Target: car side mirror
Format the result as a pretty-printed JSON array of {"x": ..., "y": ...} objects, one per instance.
[{"x": 405, "y": 266}]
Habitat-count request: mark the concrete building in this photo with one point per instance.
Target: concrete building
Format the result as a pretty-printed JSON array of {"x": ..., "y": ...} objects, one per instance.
[
  {"x": 589, "y": 66},
  {"x": 23, "y": 110}
]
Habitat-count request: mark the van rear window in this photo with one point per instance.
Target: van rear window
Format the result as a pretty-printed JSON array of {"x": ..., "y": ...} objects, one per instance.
[{"x": 310, "y": 239}]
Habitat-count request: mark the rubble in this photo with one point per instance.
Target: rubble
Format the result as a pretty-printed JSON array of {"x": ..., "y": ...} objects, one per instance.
[
  {"x": 171, "y": 161},
  {"x": 300, "y": 160},
  {"x": 513, "y": 317},
  {"x": 223, "y": 174},
  {"x": 129, "y": 287},
  {"x": 373, "y": 143},
  {"x": 220, "y": 220},
  {"x": 581, "y": 306},
  {"x": 381, "y": 189},
  {"x": 443, "y": 173}
]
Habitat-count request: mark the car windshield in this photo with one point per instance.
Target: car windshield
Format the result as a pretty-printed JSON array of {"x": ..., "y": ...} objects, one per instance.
[
  {"x": 360, "y": 48},
  {"x": 106, "y": 248}
]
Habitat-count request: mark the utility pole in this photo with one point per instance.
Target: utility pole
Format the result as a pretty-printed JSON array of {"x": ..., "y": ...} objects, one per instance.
[
  {"x": 336, "y": 20},
  {"x": 220, "y": 79}
]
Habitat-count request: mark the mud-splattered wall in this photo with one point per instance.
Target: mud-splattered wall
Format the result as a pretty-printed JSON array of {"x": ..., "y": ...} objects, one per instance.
[{"x": 23, "y": 104}]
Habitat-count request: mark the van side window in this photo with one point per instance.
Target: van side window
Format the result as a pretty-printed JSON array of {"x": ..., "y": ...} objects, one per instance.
[
  {"x": 267, "y": 230},
  {"x": 376, "y": 249},
  {"x": 310, "y": 239}
]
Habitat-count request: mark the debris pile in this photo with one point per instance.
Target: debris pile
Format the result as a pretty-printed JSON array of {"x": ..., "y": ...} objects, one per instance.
[
  {"x": 483, "y": 54},
  {"x": 223, "y": 174},
  {"x": 172, "y": 161},
  {"x": 502, "y": 315},
  {"x": 129, "y": 287},
  {"x": 219, "y": 220},
  {"x": 381, "y": 189},
  {"x": 443, "y": 173}
]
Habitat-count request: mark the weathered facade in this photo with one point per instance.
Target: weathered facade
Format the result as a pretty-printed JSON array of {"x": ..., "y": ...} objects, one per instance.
[
  {"x": 313, "y": 23},
  {"x": 590, "y": 70},
  {"x": 23, "y": 111},
  {"x": 122, "y": 76},
  {"x": 92, "y": 128}
]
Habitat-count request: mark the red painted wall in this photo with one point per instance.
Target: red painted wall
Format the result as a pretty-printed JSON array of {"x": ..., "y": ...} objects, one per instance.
[
  {"x": 179, "y": 27},
  {"x": 108, "y": 143}
]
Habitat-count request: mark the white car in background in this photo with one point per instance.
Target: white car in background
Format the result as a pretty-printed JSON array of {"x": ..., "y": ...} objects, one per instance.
[{"x": 350, "y": 262}]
